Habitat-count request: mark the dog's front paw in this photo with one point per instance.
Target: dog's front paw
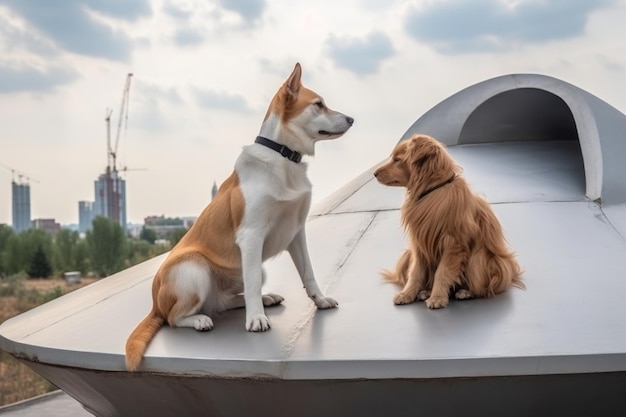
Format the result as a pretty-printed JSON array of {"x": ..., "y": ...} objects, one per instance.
[
  {"x": 203, "y": 323},
  {"x": 403, "y": 298},
  {"x": 324, "y": 303},
  {"x": 258, "y": 323},
  {"x": 436, "y": 302},
  {"x": 271, "y": 299}
]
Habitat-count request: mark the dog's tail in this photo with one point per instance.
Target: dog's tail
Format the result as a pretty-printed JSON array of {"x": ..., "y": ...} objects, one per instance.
[
  {"x": 401, "y": 273},
  {"x": 139, "y": 339},
  {"x": 505, "y": 272},
  {"x": 517, "y": 275}
]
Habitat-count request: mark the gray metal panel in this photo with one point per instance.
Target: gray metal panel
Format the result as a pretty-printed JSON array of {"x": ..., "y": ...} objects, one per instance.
[
  {"x": 550, "y": 328},
  {"x": 616, "y": 215},
  {"x": 119, "y": 394}
]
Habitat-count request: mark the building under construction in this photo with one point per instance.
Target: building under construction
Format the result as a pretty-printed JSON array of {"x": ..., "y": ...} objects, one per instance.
[
  {"x": 110, "y": 187},
  {"x": 21, "y": 205},
  {"x": 110, "y": 197}
]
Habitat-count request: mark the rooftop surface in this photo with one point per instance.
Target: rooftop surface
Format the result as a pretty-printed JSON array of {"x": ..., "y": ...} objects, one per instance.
[
  {"x": 568, "y": 321},
  {"x": 564, "y": 322}
]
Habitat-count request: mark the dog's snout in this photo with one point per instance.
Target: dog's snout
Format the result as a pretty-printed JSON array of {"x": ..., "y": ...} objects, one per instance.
[
  {"x": 350, "y": 120},
  {"x": 376, "y": 173}
]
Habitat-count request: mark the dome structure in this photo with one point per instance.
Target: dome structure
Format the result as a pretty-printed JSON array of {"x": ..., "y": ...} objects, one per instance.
[
  {"x": 546, "y": 154},
  {"x": 529, "y": 107}
]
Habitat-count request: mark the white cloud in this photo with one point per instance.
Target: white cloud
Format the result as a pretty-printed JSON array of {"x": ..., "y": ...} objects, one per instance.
[
  {"x": 361, "y": 55},
  {"x": 29, "y": 79},
  {"x": 249, "y": 10},
  {"x": 72, "y": 28},
  {"x": 469, "y": 26},
  {"x": 220, "y": 100}
]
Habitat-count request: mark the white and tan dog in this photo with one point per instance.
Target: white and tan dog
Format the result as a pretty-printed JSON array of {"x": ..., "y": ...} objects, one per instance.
[{"x": 259, "y": 211}]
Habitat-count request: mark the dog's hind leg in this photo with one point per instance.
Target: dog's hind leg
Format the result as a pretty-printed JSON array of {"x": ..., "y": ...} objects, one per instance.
[
  {"x": 489, "y": 274},
  {"x": 185, "y": 296}
]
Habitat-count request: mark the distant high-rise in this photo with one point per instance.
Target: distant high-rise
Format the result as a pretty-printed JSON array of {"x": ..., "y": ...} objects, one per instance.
[
  {"x": 110, "y": 198},
  {"x": 21, "y": 206},
  {"x": 85, "y": 215}
]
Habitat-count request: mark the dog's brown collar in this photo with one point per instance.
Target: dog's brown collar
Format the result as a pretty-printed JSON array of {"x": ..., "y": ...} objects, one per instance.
[
  {"x": 430, "y": 190},
  {"x": 281, "y": 149}
]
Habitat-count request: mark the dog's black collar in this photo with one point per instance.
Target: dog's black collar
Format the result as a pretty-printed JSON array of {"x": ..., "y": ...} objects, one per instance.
[
  {"x": 281, "y": 149},
  {"x": 430, "y": 190}
]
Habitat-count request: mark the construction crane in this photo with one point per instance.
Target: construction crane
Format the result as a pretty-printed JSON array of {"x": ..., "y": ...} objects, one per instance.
[
  {"x": 125, "y": 169},
  {"x": 19, "y": 174},
  {"x": 113, "y": 192},
  {"x": 123, "y": 117}
]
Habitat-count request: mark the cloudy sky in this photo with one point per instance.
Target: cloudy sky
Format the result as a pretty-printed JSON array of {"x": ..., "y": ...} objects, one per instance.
[{"x": 205, "y": 70}]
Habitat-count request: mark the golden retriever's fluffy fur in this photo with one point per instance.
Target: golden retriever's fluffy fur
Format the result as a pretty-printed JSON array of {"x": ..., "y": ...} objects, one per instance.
[{"x": 456, "y": 243}]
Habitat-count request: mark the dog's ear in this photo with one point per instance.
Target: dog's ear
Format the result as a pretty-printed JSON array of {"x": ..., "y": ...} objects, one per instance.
[
  {"x": 422, "y": 149},
  {"x": 293, "y": 83}
]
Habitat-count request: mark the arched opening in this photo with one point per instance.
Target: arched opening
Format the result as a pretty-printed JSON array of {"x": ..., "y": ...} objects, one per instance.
[
  {"x": 523, "y": 114},
  {"x": 540, "y": 133}
]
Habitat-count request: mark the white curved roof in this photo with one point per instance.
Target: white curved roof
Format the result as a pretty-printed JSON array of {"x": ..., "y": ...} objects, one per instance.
[
  {"x": 543, "y": 186},
  {"x": 537, "y": 107}
]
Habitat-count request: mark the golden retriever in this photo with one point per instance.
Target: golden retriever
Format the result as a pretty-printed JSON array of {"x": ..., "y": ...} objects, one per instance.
[{"x": 456, "y": 243}]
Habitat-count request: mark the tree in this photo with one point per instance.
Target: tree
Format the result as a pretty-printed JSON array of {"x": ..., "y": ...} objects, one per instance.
[
  {"x": 107, "y": 245},
  {"x": 148, "y": 234},
  {"x": 67, "y": 258},
  {"x": 176, "y": 235},
  {"x": 81, "y": 258},
  {"x": 13, "y": 254},
  {"x": 5, "y": 234},
  {"x": 40, "y": 265},
  {"x": 32, "y": 241},
  {"x": 139, "y": 251}
]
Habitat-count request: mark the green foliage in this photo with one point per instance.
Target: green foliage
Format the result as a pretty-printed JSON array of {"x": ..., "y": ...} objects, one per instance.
[
  {"x": 11, "y": 285},
  {"x": 13, "y": 254},
  {"x": 82, "y": 262},
  {"x": 27, "y": 298},
  {"x": 149, "y": 235},
  {"x": 18, "y": 249},
  {"x": 105, "y": 250},
  {"x": 107, "y": 246},
  {"x": 168, "y": 221},
  {"x": 40, "y": 266},
  {"x": 70, "y": 252},
  {"x": 140, "y": 250},
  {"x": 50, "y": 295},
  {"x": 66, "y": 242},
  {"x": 176, "y": 235},
  {"x": 5, "y": 234}
]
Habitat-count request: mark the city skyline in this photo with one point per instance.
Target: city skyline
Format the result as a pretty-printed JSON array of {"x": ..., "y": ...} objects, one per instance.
[{"x": 204, "y": 72}]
